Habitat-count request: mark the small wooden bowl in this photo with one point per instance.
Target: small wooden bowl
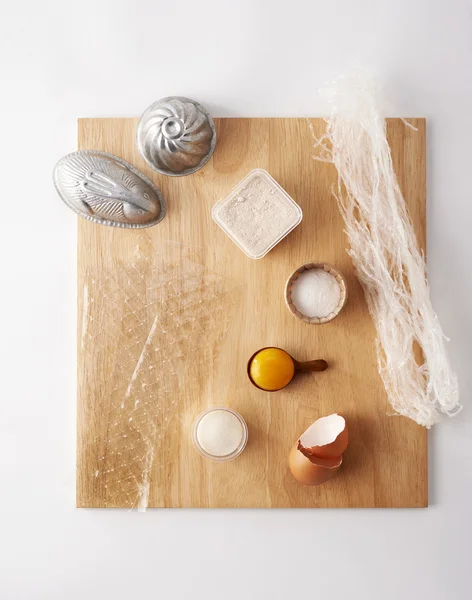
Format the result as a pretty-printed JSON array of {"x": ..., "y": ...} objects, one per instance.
[{"x": 296, "y": 274}]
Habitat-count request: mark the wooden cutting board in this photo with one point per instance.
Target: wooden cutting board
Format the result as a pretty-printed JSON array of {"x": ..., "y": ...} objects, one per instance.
[{"x": 168, "y": 317}]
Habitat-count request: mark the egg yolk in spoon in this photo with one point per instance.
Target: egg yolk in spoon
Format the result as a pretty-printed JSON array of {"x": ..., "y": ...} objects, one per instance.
[{"x": 272, "y": 369}]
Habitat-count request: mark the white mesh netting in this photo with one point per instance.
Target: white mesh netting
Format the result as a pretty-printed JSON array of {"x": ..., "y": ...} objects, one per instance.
[{"x": 143, "y": 330}]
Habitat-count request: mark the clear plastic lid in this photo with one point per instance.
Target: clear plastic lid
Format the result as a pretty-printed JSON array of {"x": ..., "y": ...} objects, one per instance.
[{"x": 257, "y": 214}]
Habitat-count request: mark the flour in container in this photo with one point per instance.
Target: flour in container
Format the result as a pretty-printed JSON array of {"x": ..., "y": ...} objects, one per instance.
[{"x": 257, "y": 214}]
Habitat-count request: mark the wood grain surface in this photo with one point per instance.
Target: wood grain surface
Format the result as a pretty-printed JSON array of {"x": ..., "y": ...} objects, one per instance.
[{"x": 168, "y": 317}]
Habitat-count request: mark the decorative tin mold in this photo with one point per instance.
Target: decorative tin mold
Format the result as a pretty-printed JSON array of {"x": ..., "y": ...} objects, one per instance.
[
  {"x": 106, "y": 189},
  {"x": 176, "y": 136}
]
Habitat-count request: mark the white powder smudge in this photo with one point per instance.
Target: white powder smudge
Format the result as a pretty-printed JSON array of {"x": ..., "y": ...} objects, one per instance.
[
  {"x": 85, "y": 306},
  {"x": 145, "y": 485},
  {"x": 140, "y": 359},
  {"x": 143, "y": 493},
  {"x": 316, "y": 293}
]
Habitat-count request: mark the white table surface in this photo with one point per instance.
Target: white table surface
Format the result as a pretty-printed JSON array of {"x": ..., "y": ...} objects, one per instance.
[{"x": 61, "y": 60}]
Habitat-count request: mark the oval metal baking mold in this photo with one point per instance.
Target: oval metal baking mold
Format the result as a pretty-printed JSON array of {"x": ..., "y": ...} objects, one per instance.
[{"x": 105, "y": 189}]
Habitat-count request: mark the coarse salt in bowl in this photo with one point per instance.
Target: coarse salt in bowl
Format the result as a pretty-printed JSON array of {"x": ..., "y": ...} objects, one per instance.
[
  {"x": 257, "y": 214},
  {"x": 315, "y": 293}
]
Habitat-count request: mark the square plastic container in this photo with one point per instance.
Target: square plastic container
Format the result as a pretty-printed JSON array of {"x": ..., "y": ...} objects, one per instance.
[{"x": 257, "y": 214}]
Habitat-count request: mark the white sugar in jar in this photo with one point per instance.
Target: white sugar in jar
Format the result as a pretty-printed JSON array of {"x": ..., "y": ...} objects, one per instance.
[
  {"x": 315, "y": 293},
  {"x": 220, "y": 434}
]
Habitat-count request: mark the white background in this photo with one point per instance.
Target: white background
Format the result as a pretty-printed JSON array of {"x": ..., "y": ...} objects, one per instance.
[{"x": 61, "y": 60}]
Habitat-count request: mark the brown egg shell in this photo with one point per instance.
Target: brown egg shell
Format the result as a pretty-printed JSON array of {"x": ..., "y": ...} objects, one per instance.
[
  {"x": 330, "y": 450},
  {"x": 312, "y": 471}
]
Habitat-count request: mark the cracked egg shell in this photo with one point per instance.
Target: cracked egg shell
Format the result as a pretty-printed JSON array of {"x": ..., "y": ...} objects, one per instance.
[
  {"x": 312, "y": 471},
  {"x": 327, "y": 437}
]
